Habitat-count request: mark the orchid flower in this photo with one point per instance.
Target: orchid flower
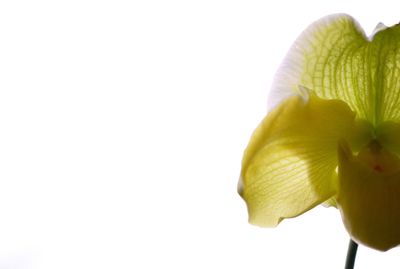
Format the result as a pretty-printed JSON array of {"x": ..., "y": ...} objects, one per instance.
[{"x": 332, "y": 133}]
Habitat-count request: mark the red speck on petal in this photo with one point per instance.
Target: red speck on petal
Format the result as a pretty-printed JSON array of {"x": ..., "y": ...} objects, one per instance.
[{"x": 378, "y": 168}]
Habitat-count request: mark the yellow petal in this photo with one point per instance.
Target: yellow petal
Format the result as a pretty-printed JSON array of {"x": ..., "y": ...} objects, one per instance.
[
  {"x": 289, "y": 164},
  {"x": 368, "y": 197}
]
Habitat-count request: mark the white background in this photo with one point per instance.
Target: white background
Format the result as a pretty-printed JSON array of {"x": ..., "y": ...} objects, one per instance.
[{"x": 122, "y": 127}]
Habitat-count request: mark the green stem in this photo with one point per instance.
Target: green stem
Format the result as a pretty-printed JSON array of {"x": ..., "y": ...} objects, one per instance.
[{"x": 351, "y": 254}]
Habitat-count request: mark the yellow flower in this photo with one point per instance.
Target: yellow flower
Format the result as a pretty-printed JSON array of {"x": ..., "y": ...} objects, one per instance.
[{"x": 332, "y": 134}]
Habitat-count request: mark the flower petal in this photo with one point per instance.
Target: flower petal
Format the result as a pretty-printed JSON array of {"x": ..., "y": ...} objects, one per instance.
[
  {"x": 369, "y": 195},
  {"x": 385, "y": 75},
  {"x": 328, "y": 58},
  {"x": 336, "y": 59},
  {"x": 289, "y": 164}
]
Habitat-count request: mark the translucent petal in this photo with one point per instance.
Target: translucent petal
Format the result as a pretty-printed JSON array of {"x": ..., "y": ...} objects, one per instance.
[
  {"x": 386, "y": 73},
  {"x": 369, "y": 198},
  {"x": 328, "y": 58},
  {"x": 336, "y": 59},
  {"x": 289, "y": 164}
]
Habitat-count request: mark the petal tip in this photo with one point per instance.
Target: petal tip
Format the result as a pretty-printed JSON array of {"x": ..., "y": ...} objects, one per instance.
[{"x": 378, "y": 28}]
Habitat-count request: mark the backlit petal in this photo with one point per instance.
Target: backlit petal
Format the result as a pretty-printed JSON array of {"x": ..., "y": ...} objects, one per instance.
[
  {"x": 328, "y": 58},
  {"x": 289, "y": 164},
  {"x": 336, "y": 59},
  {"x": 386, "y": 73}
]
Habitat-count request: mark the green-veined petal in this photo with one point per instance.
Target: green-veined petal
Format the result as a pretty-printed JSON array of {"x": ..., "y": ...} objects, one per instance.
[
  {"x": 386, "y": 73},
  {"x": 289, "y": 164},
  {"x": 335, "y": 59},
  {"x": 328, "y": 58}
]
